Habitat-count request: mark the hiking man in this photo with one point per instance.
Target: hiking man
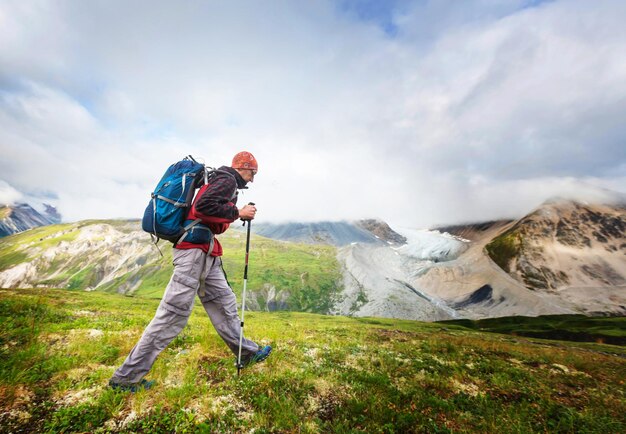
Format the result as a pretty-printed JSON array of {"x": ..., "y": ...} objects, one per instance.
[{"x": 198, "y": 269}]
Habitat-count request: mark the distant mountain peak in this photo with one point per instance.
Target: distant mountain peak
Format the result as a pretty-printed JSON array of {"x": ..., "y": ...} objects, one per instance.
[
  {"x": 52, "y": 213},
  {"x": 587, "y": 195},
  {"x": 337, "y": 233},
  {"x": 565, "y": 243},
  {"x": 381, "y": 230},
  {"x": 22, "y": 216}
]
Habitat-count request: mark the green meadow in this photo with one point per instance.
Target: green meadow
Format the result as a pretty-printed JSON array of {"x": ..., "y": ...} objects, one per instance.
[
  {"x": 579, "y": 328},
  {"x": 58, "y": 349}
]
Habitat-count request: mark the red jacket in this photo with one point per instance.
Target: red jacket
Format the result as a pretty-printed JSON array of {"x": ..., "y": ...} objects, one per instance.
[{"x": 215, "y": 205}]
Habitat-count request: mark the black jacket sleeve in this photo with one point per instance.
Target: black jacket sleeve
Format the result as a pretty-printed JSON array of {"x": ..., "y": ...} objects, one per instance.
[{"x": 220, "y": 198}]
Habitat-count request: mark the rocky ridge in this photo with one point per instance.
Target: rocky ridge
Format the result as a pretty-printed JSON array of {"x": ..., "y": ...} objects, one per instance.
[
  {"x": 88, "y": 255},
  {"x": 382, "y": 231},
  {"x": 472, "y": 231},
  {"x": 565, "y": 244}
]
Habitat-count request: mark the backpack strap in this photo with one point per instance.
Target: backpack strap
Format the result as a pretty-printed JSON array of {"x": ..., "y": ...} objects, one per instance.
[
  {"x": 189, "y": 227},
  {"x": 153, "y": 236},
  {"x": 173, "y": 202}
]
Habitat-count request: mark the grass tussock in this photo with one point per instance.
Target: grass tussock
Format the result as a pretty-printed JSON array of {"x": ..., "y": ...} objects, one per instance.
[{"x": 326, "y": 374}]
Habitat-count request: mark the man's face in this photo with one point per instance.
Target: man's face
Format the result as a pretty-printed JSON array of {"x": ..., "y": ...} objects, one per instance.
[{"x": 247, "y": 174}]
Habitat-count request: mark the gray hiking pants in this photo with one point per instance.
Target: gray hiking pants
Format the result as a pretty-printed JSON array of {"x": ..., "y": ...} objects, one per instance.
[{"x": 173, "y": 313}]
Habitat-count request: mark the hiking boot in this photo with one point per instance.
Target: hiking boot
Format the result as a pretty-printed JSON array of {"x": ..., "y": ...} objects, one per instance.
[
  {"x": 259, "y": 356},
  {"x": 142, "y": 385}
]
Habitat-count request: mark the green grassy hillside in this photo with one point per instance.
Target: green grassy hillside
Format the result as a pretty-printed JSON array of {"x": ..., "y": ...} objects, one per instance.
[
  {"x": 309, "y": 273},
  {"x": 327, "y": 374},
  {"x": 579, "y": 328},
  {"x": 115, "y": 256}
]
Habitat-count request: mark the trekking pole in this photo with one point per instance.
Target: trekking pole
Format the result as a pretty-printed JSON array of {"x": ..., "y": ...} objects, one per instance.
[{"x": 243, "y": 295}]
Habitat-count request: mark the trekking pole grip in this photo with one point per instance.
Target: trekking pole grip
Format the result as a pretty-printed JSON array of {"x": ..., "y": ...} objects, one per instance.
[{"x": 244, "y": 221}]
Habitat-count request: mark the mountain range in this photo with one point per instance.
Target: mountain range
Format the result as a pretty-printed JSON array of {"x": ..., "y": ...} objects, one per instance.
[
  {"x": 563, "y": 257},
  {"x": 334, "y": 233}
]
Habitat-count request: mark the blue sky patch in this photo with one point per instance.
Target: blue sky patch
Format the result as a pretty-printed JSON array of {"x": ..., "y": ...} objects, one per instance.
[{"x": 378, "y": 12}]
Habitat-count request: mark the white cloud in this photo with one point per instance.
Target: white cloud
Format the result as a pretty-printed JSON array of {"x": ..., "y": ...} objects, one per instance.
[
  {"x": 470, "y": 112},
  {"x": 8, "y": 194}
]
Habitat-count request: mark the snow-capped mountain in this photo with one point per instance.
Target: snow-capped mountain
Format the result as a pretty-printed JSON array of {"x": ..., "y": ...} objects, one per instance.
[{"x": 20, "y": 217}]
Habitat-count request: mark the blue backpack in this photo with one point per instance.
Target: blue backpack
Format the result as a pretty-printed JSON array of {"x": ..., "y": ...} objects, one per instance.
[{"x": 167, "y": 210}]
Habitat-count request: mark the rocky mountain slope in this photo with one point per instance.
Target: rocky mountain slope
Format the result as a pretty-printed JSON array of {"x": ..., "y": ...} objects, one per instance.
[
  {"x": 565, "y": 244},
  {"x": 86, "y": 255},
  {"x": 20, "y": 217},
  {"x": 382, "y": 231},
  {"x": 563, "y": 258},
  {"x": 472, "y": 231}
]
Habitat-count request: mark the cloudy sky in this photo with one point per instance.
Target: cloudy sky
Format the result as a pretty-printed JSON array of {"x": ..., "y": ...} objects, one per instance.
[{"x": 416, "y": 112}]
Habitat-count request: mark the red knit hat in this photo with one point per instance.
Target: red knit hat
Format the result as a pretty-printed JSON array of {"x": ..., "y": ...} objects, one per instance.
[{"x": 245, "y": 160}]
